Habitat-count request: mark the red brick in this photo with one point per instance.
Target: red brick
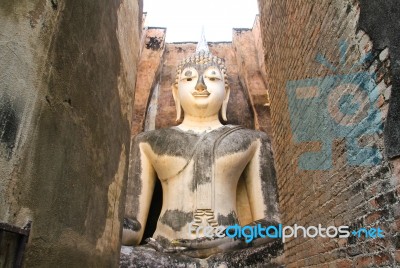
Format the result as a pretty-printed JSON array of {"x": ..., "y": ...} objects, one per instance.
[
  {"x": 382, "y": 259},
  {"x": 301, "y": 263},
  {"x": 380, "y": 101},
  {"x": 373, "y": 217},
  {"x": 397, "y": 256},
  {"x": 342, "y": 242},
  {"x": 396, "y": 226},
  {"x": 344, "y": 263},
  {"x": 373, "y": 203},
  {"x": 364, "y": 261},
  {"x": 396, "y": 171}
]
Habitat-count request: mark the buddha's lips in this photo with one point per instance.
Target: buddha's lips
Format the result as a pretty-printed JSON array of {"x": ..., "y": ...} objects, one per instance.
[{"x": 201, "y": 94}]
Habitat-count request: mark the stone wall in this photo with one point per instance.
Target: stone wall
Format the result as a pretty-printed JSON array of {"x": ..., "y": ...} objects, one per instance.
[
  {"x": 330, "y": 86},
  {"x": 66, "y": 93}
]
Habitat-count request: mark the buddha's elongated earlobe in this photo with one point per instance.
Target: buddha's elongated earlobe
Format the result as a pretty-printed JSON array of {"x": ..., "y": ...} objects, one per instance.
[
  {"x": 225, "y": 103},
  {"x": 177, "y": 101}
]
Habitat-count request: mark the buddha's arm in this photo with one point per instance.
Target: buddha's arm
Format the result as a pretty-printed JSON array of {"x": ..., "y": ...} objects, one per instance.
[
  {"x": 139, "y": 193},
  {"x": 261, "y": 182}
]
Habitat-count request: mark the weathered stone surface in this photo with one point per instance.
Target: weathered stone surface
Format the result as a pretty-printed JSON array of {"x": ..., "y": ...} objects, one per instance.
[
  {"x": 149, "y": 69},
  {"x": 262, "y": 256},
  {"x": 68, "y": 74},
  {"x": 379, "y": 20}
]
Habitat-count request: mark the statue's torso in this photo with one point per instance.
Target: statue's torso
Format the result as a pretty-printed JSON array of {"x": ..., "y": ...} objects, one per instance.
[{"x": 199, "y": 173}]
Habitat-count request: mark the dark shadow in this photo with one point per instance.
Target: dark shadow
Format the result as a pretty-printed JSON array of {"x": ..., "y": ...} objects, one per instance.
[
  {"x": 154, "y": 212},
  {"x": 8, "y": 125}
]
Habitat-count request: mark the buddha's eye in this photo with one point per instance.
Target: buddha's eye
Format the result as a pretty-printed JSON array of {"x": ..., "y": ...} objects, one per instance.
[
  {"x": 186, "y": 79},
  {"x": 188, "y": 75},
  {"x": 213, "y": 78}
]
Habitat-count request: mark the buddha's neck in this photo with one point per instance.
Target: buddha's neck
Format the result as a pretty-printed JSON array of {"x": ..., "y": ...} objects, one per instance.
[{"x": 200, "y": 124}]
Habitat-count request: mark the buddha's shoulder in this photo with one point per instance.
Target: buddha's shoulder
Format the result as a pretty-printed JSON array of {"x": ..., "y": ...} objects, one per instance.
[
  {"x": 246, "y": 133},
  {"x": 169, "y": 141},
  {"x": 175, "y": 135},
  {"x": 163, "y": 135}
]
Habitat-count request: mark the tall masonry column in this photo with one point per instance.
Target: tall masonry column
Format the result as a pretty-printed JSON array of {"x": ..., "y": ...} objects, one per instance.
[{"x": 68, "y": 71}]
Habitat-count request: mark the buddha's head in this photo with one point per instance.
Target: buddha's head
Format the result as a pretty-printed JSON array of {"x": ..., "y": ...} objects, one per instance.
[{"x": 201, "y": 87}]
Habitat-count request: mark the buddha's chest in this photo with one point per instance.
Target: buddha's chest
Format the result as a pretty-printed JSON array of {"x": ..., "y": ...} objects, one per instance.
[
  {"x": 202, "y": 158},
  {"x": 202, "y": 166}
]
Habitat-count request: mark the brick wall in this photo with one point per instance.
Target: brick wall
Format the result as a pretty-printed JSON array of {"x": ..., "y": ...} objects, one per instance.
[{"x": 329, "y": 90}]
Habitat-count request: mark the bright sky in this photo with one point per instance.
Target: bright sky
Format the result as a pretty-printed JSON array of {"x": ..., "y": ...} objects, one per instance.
[{"x": 184, "y": 19}]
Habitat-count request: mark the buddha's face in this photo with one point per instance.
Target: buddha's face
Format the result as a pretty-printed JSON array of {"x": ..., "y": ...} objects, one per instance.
[{"x": 201, "y": 90}]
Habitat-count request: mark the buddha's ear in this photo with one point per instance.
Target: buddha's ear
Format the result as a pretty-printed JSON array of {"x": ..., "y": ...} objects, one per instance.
[
  {"x": 225, "y": 103},
  {"x": 174, "y": 88}
]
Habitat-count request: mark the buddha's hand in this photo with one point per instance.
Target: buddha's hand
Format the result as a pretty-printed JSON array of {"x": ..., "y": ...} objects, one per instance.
[
  {"x": 204, "y": 247},
  {"x": 264, "y": 222},
  {"x": 130, "y": 235},
  {"x": 201, "y": 243}
]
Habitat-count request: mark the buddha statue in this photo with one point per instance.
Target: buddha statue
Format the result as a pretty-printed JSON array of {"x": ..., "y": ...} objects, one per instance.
[{"x": 199, "y": 164}]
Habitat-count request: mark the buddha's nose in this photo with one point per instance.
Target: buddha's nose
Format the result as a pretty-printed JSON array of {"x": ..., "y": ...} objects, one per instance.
[{"x": 200, "y": 86}]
